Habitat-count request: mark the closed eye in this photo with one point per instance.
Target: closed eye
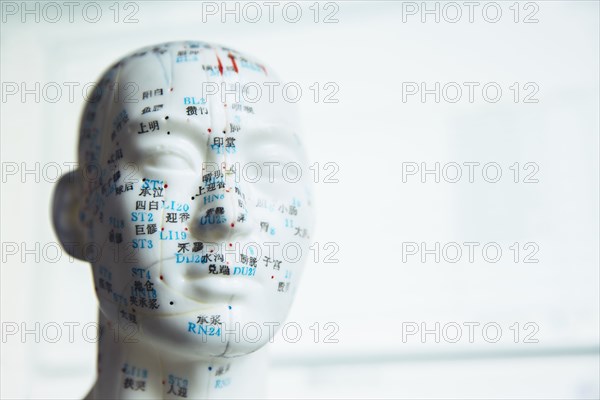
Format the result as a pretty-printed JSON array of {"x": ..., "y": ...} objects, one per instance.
[{"x": 168, "y": 160}]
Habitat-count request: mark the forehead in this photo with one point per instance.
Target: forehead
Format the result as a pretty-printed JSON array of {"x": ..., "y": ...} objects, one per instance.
[{"x": 194, "y": 90}]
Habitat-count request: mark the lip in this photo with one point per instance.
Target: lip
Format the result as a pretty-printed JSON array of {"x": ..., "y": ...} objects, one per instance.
[
  {"x": 216, "y": 288},
  {"x": 194, "y": 281}
]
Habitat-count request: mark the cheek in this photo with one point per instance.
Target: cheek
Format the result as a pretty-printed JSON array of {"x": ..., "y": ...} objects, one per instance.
[
  {"x": 125, "y": 228},
  {"x": 285, "y": 225}
]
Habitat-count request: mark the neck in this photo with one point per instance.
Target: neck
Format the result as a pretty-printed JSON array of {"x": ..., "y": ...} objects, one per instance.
[{"x": 134, "y": 369}]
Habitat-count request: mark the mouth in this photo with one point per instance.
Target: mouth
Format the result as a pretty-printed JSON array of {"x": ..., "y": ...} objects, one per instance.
[
  {"x": 215, "y": 289},
  {"x": 206, "y": 282}
]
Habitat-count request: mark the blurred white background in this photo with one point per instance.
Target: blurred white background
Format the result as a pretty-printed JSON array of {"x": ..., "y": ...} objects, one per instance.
[{"x": 373, "y": 54}]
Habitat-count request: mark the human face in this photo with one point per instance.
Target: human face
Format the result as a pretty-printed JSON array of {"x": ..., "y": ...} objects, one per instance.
[{"x": 203, "y": 211}]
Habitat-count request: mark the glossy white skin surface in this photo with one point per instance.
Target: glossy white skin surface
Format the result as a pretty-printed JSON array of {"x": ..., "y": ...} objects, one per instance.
[{"x": 164, "y": 310}]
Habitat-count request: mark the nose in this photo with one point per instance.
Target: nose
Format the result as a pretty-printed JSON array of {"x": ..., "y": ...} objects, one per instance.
[{"x": 221, "y": 214}]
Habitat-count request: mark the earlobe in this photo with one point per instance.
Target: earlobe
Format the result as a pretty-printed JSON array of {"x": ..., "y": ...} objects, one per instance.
[{"x": 65, "y": 213}]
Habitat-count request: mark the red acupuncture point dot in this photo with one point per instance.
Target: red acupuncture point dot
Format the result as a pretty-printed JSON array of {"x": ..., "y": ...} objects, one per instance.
[
  {"x": 161, "y": 277},
  {"x": 232, "y": 224},
  {"x": 162, "y": 229},
  {"x": 186, "y": 228},
  {"x": 272, "y": 276},
  {"x": 166, "y": 186},
  {"x": 209, "y": 130}
]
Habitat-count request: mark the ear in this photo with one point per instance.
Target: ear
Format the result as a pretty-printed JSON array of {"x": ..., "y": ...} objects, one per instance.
[{"x": 65, "y": 213}]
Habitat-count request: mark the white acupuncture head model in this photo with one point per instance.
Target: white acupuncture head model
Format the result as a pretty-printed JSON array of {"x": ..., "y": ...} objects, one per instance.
[{"x": 192, "y": 202}]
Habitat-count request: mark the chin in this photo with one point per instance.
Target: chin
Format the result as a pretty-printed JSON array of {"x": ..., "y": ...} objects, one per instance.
[{"x": 182, "y": 336}]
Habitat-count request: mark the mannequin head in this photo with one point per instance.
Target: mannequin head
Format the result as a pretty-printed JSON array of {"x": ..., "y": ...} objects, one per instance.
[{"x": 192, "y": 200}]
